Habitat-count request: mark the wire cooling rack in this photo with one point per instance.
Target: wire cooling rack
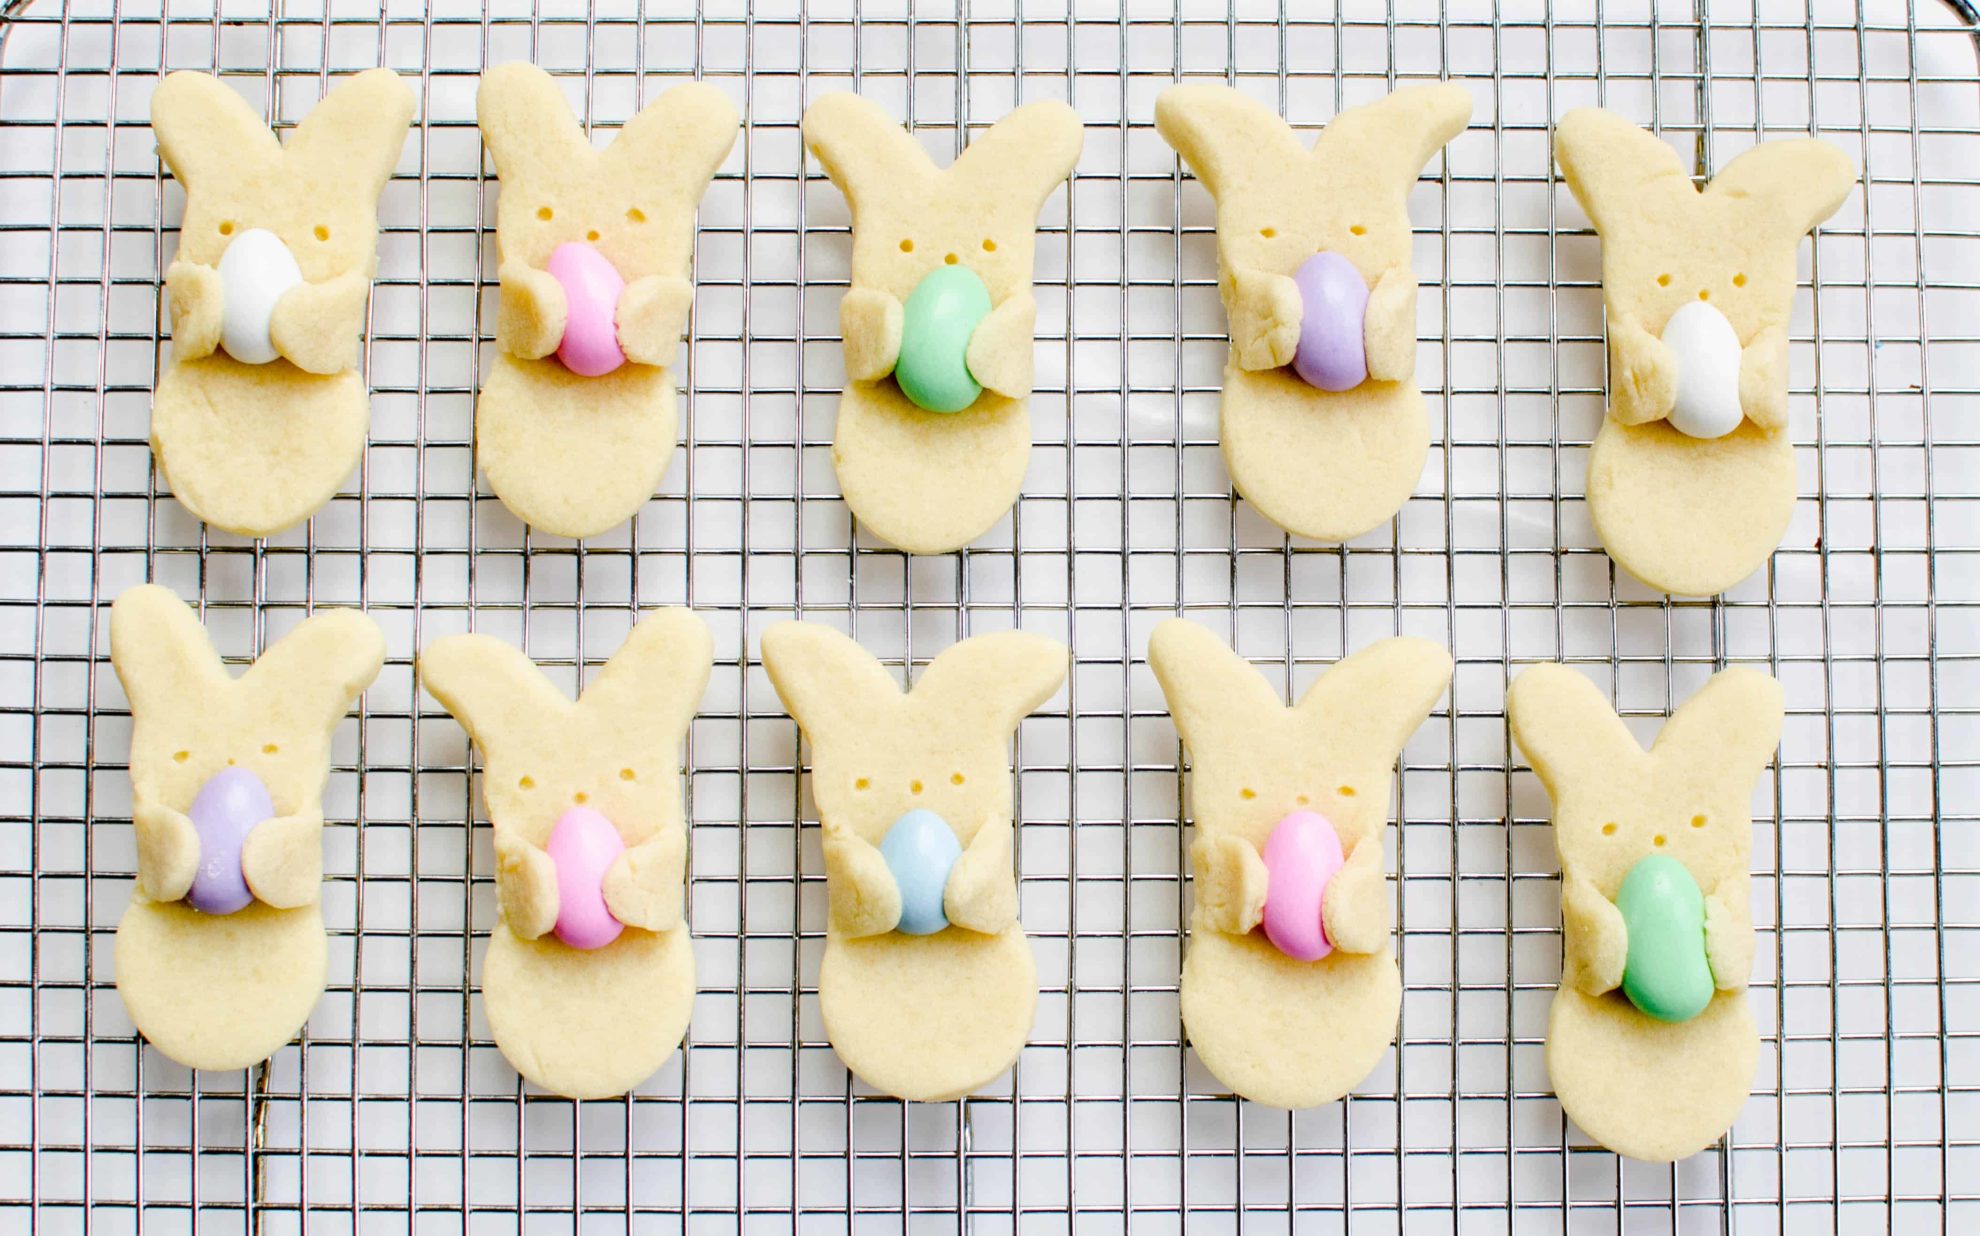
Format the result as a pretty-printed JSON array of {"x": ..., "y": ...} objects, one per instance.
[{"x": 396, "y": 1109}]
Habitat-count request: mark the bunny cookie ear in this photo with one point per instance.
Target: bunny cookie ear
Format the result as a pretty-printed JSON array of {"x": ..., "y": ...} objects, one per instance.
[
  {"x": 678, "y": 140},
  {"x": 1733, "y": 721},
  {"x": 1612, "y": 166},
  {"x": 1369, "y": 703},
  {"x": 310, "y": 676},
  {"x": 996, "y": 679},
  {"x": 206, "y": 132},
  {"x": 354, "y": 134},
  {"x": 1790, "y": 186},
  {"x": 495, "y": 692},
  {"x": 1025, "y": 154},
  {"x": 659, "y": 672},
  {"x": 827, "y": 682},
  {"x": 1229, "y": 140},
  {"x": 860, "y": 146},
  {"x": 1394, "y": 138},
  {"x": 1210, "y": 689},
  {"x": 162, "y": 653},
  {"x": 1566, "y": 728},
  {"x": 527, "y": 125}
]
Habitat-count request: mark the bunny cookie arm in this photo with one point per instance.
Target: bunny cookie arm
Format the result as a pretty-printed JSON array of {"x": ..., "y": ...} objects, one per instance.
[
  {"x": 982, "y": 893},
  {"x": 865, "y": 900},
  {"x": 1643, "y": 374},
  {"x": 1265, "y": 311},
  {"x": 533, "y": 312},
  {"x": 194, "y": 294},
  {"x": 652, "y": 316},
  {"x": 167, "y": 851},
  {"x": 282, "y": 859},
  {"x": 1389, "y": 330},
  {"x": 870, "y": 323},
  {"x": 1595, "y": 940},
  {"x": 1355, "y": 907},
  {"x": 999, "y": 354},
  {"x": 525, "y": 886},
  {"x": 317, "y": 325},
  {"x": 1231, "y": 881},
  {"x": 643, "y": 888},
  {"x": 1729, "y": 932},
  {"x": 1763, "y": 374}
]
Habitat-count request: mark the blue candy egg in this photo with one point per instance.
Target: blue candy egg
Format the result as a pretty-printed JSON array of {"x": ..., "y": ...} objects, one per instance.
[{"x": 920, "y": 850}]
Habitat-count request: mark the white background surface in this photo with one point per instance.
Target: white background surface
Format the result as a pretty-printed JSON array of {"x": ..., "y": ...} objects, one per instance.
[{"x": 1864, "y": 1111}]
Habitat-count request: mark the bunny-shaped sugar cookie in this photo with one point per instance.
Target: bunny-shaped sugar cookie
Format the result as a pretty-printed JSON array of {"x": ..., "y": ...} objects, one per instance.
[
  {"x": 1323, "y": 428},
  {"x": 1289, "y": 805},
  {"x": 221, "y": 955},
  {"x": 260, "y": 414},
  {"x": 1650, "y": 1041},
  {"x": 589, "y": 978},
  {"x": 575, "y": 422},
  {"x": 941, "y": 289},
  {"x": 927, "y": 986},
  {"x": 1691, "y": 481}
]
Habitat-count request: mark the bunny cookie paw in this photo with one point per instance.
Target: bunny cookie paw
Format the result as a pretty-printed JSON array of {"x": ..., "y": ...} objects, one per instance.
[
  {"x": 1650, "y": 1041},
  {"x": 933, "y": 436},
  {"x": 260, "y": 413},
  {"x": 221, "y": 955},
  {"x": 575, "y": 421},
  {"x": 1323, "y": 428},
  {"x": 927, "y": 986},
  {"x": 589, "y": 977},
  {"x": 1691, "y": 480},
  {"x": 1290, "y": 992}
]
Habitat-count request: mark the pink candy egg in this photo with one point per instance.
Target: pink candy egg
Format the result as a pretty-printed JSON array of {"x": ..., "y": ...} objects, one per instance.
[
  {"x": 584, "y": 845},
  {"x": 1301, "y": 856},
  {"x": 1332, "y": 355},
  {"x": 592, "y": 287}
]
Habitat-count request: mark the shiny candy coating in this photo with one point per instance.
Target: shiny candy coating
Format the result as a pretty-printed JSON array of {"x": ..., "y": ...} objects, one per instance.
[
  {"x": 1708, "y": 354},
  {"x": 1301, "y": 857},
  {"x": 920, "y": 851},
  {"x": 1332, "y": 355},
  {"x": 1666, "y": 973},
  {"x": 255, "y": 271},
  {"x": 592, "y": 287},
  {"x": 941, "y": 314},
  {"x": 584, "y": 845},
  {"x": 223, "y": 813}
]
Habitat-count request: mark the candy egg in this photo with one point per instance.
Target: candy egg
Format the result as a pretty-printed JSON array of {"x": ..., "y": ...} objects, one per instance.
[
  {"x": 255, "y": 271},
  {"x": 223, "y": 813},
  {"x": 592, "y": 287},
  {"x": 1707, "y": 351},
  {"x": 1665, "y": 972},
  {"x": 1332, "y": 355},
  {"x": 584, "y": 845},
  {"x": 920, "y": 850},
  {"x": 1301, "y": 857},
  {"x": 941, "y": 314}
]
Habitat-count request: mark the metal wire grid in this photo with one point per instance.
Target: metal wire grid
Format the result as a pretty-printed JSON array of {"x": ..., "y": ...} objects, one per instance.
[{"x": 396, "y": 1109}]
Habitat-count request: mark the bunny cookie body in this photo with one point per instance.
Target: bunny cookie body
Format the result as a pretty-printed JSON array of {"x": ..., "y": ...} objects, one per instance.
[
  {"x": 260, "y": 414},
  {"x": 928, "y": 984},
  {"x": 227, "y": 796},
  {"x": 1269, "y": 1019},
  {"x": 585, "y": 798},
  {"x": 576, "y": 418},
  {"x": 932, "y": 481},
  {"x": 1691, "y": 481},
  {"x": 1313, "y": 252},
  {"x": 1640, "y": 1076}
]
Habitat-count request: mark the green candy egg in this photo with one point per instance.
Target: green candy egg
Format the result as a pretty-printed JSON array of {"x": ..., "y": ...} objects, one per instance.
[
  {"x": 1665, "y": 973},
  {"x": 941, "y": 314}
]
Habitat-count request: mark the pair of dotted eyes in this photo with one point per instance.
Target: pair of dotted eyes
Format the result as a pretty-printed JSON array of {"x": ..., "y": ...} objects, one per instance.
[
  {"x": 633, "y": 215},
  {"x": 1345, "y": 791},
  {"x": 527, "y": 782},
  {"x": 914, "y": 787},
  {"x": 1697, "y": 821},
  {"x": 1271, "y": 233},
  {"x": 180, "y": 757},
  {"x": 989, "y": 246},
  {"x": 321, "y": 232},
  {"x": 1739, "y": 281}
]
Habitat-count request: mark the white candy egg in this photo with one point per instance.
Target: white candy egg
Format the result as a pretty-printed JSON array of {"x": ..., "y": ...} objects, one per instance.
[
  {"x": 255, "y": 271},
  {"x": 1707, "y": 351}
]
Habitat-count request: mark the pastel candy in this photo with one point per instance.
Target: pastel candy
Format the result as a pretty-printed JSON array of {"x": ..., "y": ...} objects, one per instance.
[
  {"x": 1708, "y": 352},
  {"x": 941, "y": 314},
  {"x": 592, "y": 287},
  {"x": 920, "y": 850},
  {"x": 583, "y": 844},
  {"x": 1665, "y": 972},
  {"x": 1332, "y": 355},
  {"x": 226, "y": 809},
  {"x": 255, "y": 271},
  {"x": 1301, "y": 856}
]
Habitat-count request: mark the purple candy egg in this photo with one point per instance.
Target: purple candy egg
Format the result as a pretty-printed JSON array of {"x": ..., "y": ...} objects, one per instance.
[
  {"x": 223, "y": 813},
  {"x": 1334, "y": 301}
]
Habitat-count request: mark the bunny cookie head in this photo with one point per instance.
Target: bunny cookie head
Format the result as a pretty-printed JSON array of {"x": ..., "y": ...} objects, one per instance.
[
  {"x": 1688, "y": 797},
  {"x": 1254, "y": 761},
  {"x": 878, "y": 753},
  {"x": 318, "y": 193},
  {"x": 634, "y": 201},
  {"x": 910, "y": 217},
  {"x": 1279, "y": 203}
]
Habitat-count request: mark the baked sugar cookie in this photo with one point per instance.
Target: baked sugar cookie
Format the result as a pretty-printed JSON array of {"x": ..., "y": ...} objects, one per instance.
[
  {"x": 1290, "y": 992},
  {"x": 576, "y": 418},
  {"x": 1650, "y": 1041},
  {"x": 221, "y": 955},
  {"x": 1691, "y": 481},
  {"x": 260, "y": 413},
  {"x": 589, "y": 979},
  {"x": 933, "y": 436},
  {"x": 1323, "y": 427},
  {"x": 928, "y": 985}
]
